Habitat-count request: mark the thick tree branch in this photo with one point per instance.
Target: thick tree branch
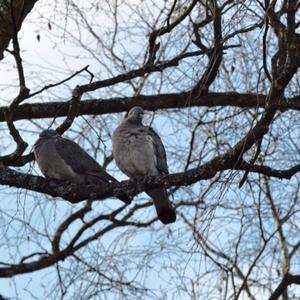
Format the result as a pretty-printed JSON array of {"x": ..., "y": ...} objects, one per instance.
[
  {"x": 77, "y": 193},
  {"x": 21, "y": 8},
  {"x": 287, "y": 280},
  {"x": 265, "y": 170},
  {"x": 151, "y": 102}
]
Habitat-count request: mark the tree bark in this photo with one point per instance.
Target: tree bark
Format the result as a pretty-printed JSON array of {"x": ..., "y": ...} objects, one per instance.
[{"x": 12, "y": 15}]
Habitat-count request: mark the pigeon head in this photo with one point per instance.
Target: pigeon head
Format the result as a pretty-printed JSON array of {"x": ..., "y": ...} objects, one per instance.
[
  {"x": 135, "y": 115},
  {"x": 48, "y": 133}
]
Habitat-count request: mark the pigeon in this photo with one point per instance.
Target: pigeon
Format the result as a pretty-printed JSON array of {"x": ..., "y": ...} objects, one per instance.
[
  {"x": 62, "y": 159},
  {"x": 139, "y": 152}
]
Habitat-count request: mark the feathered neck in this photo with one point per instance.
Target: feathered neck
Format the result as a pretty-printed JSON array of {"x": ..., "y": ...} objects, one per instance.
[{"x": 134, "y": 121}]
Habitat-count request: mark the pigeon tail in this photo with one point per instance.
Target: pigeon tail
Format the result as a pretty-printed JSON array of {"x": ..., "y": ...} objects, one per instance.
[{"x": 165, "y": 211}]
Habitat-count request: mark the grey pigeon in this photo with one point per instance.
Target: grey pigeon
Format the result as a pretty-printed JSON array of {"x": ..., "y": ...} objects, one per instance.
[
  {"x": 139, "y": 152},
  {"x": 62, "y": 159}
]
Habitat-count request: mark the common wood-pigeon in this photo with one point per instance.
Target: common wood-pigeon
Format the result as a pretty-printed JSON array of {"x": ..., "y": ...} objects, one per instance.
[
  {"x": 62, "y": 159},
  {"x": 139, "y": 152}
]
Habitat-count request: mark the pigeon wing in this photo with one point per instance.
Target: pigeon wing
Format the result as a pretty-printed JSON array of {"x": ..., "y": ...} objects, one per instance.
[
  {"x": 80, "y": 161},
  {"x": 160, "y": 152}
]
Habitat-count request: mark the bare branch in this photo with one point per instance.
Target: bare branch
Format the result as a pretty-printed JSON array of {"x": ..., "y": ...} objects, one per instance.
[{"x": 287, "y": 280}]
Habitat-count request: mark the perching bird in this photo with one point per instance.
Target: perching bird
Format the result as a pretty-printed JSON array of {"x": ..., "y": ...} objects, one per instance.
[
  {"x": 62, "y": 159},
  {"x": 139, "y": 152}
]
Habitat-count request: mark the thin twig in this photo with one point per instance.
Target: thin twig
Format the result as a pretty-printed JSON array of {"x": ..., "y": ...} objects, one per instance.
[{"x": 62, "y": 81}]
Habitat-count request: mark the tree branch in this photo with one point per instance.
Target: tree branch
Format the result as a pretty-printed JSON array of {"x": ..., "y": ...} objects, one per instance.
[
  {"x": 148, "y": 102},
  {"x": 21, "y": 8},
  {"x": 77, "y": 193},
  {"x": 287, "y": 280}
]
